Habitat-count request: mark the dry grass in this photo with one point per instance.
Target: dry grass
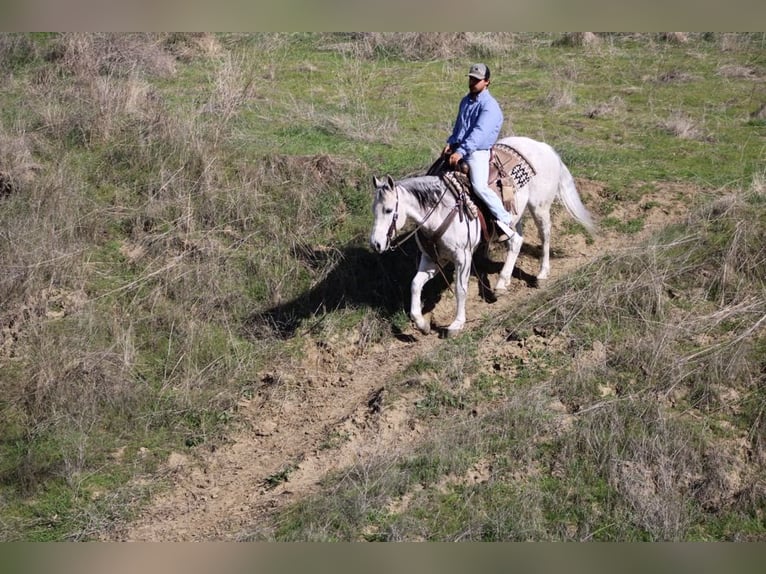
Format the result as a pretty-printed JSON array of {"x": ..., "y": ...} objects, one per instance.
[
  {"x": 18, "y": 167},
  {"x": 656, "y": 431},
  {"x": 420, "y": 46},
  {"x": 736, "y": 71},
  {"x": 675, "y": 37},
  {"x": 586, "y": 39},
  {"x": 681, "y": 125},
  {"x": 124, "y": 270},
  {"x": 693, "y": 353},
  {"x": 87, "y": 55},
  {"x": 151, "y": 262},
  {"x": 560, "y": 97},
  {"x": 614, "y": 107}
]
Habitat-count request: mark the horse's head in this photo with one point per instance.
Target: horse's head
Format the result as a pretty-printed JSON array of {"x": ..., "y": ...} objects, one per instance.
[{"x": 385, "y": 212}]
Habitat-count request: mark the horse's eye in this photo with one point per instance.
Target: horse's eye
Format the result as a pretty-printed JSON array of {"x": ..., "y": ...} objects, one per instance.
[{"x": 388, "y": 210}]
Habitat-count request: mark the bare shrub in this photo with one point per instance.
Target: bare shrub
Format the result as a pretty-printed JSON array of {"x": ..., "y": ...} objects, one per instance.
[
  {"x": 18, "y": 167},
  {"x": 760, "y": 113},
  {"x": 407, "y": 45},
  {"x": 372, "y": 330},
  {"x": 586, "y": 39},
  {"x": 74, "y": 379},
  {"x": 114, "y": 102},
  {"x": 614, "y": 106},
  {"x": 676, "y": 76},
  {"x": 560, "y": 97},
  {"x": 647, "y": 457},
  {"x": 486, "y": 45},
  {"x": 681, "y": 125},
  {"x": 7, "y": 186},
  {"x": 16, "y": 49},
  {"x": 684, "y": 344},
  {"x": 95, "y": 109},
  {"x": 418, "y": 46},
  {"x": 304, "y": 174},
  {"x": 674, "y": 37},
  {"x": 732, "y": 42},
  {"x": 186, "y": 46},
  {"x": 655, "y": 489},
  {"x": 736, "y": 71},
  {"x": 726, "y": 474},
  {"x": 354, "y": 118},
  {"x": 124, "y": 54},
  {"x": 233, "y": 87},
  {"x": 43, "y": 229}
]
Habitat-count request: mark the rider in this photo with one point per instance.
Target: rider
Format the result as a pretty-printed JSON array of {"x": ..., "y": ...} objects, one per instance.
[{"x": 476, "y": 128}]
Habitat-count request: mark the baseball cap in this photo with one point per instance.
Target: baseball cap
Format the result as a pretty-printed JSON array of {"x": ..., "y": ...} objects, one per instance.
[{"x": 479, "y": 71}]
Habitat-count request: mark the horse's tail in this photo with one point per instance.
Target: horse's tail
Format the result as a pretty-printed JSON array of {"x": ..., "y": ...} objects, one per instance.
[{"x": 571, "y": 199}]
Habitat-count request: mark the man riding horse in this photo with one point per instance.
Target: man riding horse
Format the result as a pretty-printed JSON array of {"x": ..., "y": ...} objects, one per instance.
[{"x": 477, "y": 126}]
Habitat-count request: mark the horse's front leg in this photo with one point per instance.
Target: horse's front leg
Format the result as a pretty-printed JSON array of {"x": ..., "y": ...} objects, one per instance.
[
  {"x": 462, "y": 276},
  {"x": 426, "y": 271},
  {"x": 514, "y": 247}
]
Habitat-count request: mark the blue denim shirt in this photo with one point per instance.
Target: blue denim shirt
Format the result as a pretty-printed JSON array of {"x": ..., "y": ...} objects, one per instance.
[{"x": 477, "y": 124}]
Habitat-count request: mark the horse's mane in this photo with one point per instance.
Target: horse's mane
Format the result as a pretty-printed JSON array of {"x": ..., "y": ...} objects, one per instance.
[{"x": 427, "y": 189}]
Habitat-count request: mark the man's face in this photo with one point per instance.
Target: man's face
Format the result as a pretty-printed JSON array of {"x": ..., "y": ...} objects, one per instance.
[{"x": 475, "y": 85}]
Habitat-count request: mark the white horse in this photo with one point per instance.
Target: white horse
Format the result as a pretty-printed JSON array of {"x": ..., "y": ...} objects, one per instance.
[{"x": 440, "y": 216}]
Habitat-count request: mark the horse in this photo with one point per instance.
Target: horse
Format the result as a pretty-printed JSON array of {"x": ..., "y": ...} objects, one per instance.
[{"x": 443, "y": 221}]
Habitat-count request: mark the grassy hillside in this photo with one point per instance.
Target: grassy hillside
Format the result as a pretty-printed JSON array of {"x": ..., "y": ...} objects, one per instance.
[
  {"x": 179, "y": 212},
  {"x": 636, "y": 414}
]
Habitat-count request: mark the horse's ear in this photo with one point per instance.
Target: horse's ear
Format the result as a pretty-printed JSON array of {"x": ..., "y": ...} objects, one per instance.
[
  {"x": 378, "y": 183},
  {"x": 391, "y": 183}
]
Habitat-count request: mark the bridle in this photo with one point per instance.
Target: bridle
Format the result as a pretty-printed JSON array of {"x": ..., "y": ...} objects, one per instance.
[
  {"x": 392, "y": 228},
  {"x": 427, "y": 243}
]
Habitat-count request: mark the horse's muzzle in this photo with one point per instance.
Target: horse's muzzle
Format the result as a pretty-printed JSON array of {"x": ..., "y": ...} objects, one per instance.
[{"x": 378, "y": 246}]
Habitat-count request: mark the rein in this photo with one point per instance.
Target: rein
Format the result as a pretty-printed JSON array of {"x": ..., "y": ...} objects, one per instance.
[{"x": 395, "y": 242}]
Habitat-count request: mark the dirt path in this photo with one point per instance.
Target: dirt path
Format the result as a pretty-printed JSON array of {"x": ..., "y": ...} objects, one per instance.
[{"x": 332, "y": 409}]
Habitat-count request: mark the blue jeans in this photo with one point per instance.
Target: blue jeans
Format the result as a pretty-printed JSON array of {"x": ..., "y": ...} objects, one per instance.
[{"x": 478, "y": 162}]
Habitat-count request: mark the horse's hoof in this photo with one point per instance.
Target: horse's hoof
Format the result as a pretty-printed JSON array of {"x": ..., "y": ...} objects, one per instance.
[
  {"x": 421, "y": 324},
  {"x": 454, "y": 328},
  {"x": 500, "y": 292}
]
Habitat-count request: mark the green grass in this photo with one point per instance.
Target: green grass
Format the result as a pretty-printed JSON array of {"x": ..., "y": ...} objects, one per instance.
[
  {"x": 184, "y": 211},
  {"x": 629, "y": 466}
]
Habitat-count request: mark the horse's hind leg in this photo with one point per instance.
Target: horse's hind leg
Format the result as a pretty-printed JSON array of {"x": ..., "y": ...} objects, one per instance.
[
  {"x": 426, "y": 271},
  {"x": 542, "y": 217}
]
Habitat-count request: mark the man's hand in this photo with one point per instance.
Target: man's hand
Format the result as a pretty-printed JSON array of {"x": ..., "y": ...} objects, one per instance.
[{"x": 455, "y": 158}]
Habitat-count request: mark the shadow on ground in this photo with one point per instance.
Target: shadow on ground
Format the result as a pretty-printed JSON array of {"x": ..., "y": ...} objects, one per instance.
[{"x": 360, "y": 278}]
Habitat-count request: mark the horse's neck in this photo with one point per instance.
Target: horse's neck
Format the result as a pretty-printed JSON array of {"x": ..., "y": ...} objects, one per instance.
[{"x": 429, "y": 217}]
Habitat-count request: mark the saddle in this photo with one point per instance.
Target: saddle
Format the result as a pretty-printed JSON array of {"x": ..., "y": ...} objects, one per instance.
[{"x": 508, "y": 171}]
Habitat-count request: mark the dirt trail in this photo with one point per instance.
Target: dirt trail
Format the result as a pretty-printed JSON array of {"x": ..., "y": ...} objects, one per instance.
[{"x": 333, "y": 410}]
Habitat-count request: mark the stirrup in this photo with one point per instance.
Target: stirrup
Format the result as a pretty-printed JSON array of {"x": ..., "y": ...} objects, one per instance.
[{"x": 503, "y": 230}]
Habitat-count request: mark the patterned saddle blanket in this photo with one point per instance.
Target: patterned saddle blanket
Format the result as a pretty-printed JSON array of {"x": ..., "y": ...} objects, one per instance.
[{"x": 508, "y": 171}]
